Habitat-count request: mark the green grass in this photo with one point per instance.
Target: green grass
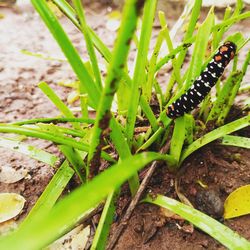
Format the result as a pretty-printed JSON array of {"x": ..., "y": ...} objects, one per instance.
[{"x": 86, "y": 142}]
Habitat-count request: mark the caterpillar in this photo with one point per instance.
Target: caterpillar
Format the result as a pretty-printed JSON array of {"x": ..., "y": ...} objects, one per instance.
[{"x": 203, "y": 84}]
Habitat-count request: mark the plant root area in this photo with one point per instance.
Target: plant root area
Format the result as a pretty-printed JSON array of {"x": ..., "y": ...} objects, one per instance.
[{"x": 206, "y": 178}]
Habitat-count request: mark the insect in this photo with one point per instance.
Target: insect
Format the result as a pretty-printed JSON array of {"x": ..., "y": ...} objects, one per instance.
[{"x": 203, "y": 84}]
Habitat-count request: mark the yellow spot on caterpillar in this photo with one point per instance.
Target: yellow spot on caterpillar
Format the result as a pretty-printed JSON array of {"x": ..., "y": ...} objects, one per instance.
[
  {"x": 217, "y": 58},
  {"x": 223, "y": 49}
]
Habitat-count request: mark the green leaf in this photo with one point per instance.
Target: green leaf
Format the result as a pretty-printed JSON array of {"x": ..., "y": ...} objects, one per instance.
[
  {"x": 237, "y": 203},
  {"x": 207, "y": 224}
]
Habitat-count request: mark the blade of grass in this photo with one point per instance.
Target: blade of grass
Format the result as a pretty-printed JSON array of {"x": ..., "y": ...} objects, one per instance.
[
  {"x": 215, "y": 134},
  {"x": 29, "y": 150},
  {"x": 174, "y": 52},
  {"x": 86, "y": 82},
  {"x": 217, "y": 36},
  {"x": 227, "y": 23},
  {"x": 189, "y": 128},
  {"x": 123, "y": 150},
  {"x": 178, "y": 138},
  {"x": 51, "y": 193},
  {"x": 218, "y": 231},
  {"x": 167, "y": 37},
  {"x": 76, "y": 161},
  {"x": 140, "y": 66},
  {"x": 200, "y": 48},
  {"x": 48, "y": 91},
  {"x": 47, "y": 227},
  {"x": 54, "y": 121},
  {"x": 84, "y": 28},
  {"x": 237, "y": 141},
  {"x": 60, "y": 130},
  {"x": 151, "y": 68},
  {"x": 102, "y": 231},
  {"x": 191, "y": 27},
  {"x": 149, "y": 113}
]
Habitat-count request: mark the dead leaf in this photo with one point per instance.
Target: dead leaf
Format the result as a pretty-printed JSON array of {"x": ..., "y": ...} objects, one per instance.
[
  {"x": 11, "y": 205},
  {"x": 8, "y": 174},
  {"x": 237, "y": 203}
]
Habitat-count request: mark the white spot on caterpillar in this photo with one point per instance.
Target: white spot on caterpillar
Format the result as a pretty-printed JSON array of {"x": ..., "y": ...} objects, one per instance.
[
  {"x": 211, "y": 67},
  {"x": 184, "y": 106},
  {"x": 220, "y": 65},
  {"x": 177, "y": 111},
  {"x": 199, "y": 94},
  {"x": 199, "y": 78},
  {"x": 207, "y": 84},
  {"x": 185, "y": 98},
  {"x": 205, "y": 75},
  {"x": 191, "y": 100},
  {"x": 191, "y": 92},
  {"x": 226, "y": 55},
  {"x": 213, "y": 75},
  {"x": 178, "y": 104}
]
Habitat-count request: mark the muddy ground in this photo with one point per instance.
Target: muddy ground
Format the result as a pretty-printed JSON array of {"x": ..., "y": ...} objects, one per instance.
[{"x": 222, "y": 169}]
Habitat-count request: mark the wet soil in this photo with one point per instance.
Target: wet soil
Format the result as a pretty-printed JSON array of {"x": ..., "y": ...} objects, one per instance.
[{"x": 221, "y": 169}]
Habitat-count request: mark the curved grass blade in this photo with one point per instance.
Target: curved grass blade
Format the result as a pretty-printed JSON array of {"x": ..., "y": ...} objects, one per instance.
[
  {"x": 140, "y": 67},
  {"x": 47, "y": 227},
  {"x": 218, "y": 231},
  {"x": 84, "y": 28},
  {"x": 215, "y": 134}
]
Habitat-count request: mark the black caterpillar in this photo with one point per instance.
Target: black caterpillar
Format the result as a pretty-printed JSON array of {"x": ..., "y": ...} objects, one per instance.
[{"x": 203, "y": 84}]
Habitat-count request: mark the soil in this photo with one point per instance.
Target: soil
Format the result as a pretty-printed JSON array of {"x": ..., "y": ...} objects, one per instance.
[{"x": 222, "y": 169}]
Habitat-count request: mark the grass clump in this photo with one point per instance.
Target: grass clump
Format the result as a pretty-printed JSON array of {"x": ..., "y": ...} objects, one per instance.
[{"x": 85, "y": 143}]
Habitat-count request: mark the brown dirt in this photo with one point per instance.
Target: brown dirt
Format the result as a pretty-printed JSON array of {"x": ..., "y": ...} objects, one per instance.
[{"x": 222, "y": 169}]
